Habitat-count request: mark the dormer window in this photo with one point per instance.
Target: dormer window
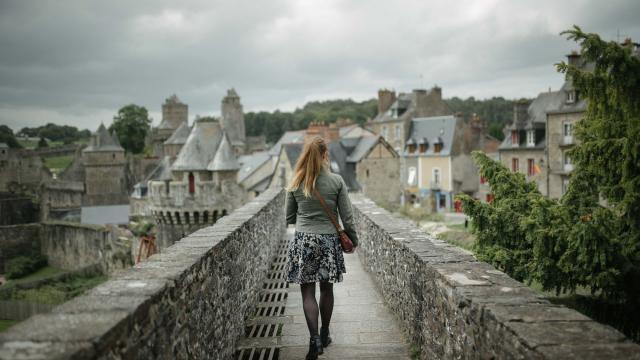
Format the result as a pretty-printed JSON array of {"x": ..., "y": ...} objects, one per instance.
[
  {"x": 531, "y": 138},
  {"x": 411, "y": 146},
  {"x": 437, "y": 147},
  {"x": 423, "y": 145},
  {"x": 571, "y": 97},
  {"x": 515, "y": 138}
]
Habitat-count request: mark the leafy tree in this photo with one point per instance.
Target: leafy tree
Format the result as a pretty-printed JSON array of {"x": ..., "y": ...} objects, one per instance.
[
  {"x": 591, "y": 236},
  {"x": 42, "y": 143},
  {"x": 132, "y": 125},
  {"x": 7, "y": 137}
]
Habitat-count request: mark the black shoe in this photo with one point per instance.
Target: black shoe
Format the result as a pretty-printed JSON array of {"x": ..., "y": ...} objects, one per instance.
[
  {"x": 315, "y": 348},
  {"x": 324, "y": 336}
]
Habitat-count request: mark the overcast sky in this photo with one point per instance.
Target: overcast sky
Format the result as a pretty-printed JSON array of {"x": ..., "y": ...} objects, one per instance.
[{"x": 77, "y": 62}]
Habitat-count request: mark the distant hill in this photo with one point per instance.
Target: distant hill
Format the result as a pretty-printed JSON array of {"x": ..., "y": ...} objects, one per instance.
[{"x": 497, "y": 111}]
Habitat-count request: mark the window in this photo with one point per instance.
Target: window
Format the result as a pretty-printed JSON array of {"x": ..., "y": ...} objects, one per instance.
[
  {"x": 423, "y": 148},
  {"x": 412, "y": 148},
  {"x": 571, "y": 97},
  {"x": 192, "y": 183},
  {"x": 568, "y": 165},
  {"x": 515, "y": 138},
  {"x": 531, "y": 164},
  {"x": 437, "y": 147},
  {"x": 531, "y": 138},
  {"x": 483, "y": 180},
  {"x": 515, "y": 165},
  {"x": 567, "y": 129},
  {"x": 334, "y": 167},
  {"x": 367, "y": 172},
  {"x": 397, "y": 134},
  {"x": 411, "y": 179},
  {"x": 436, "y": 176},
  {"x": 384, "y": 132},
  {"x": 567, "y": 132}
]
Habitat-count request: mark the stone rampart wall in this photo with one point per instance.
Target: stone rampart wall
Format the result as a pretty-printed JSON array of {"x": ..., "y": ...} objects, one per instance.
[
  {"x": 72, "y": 246},
  {"x": 455, "y": 307},
  {"x": 188, "y": 302}
]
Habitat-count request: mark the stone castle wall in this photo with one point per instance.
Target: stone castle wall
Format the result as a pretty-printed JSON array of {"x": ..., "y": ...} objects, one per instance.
[
  {"x": 456, "y": 307},
  {"x": 188, "y": 302},
  {"x": 18, "y": 240},
  {"x": 73, "y": 246}
]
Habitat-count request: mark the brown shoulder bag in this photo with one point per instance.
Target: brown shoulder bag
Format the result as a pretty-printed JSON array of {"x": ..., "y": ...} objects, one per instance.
[{"x": 345, "y": 242}]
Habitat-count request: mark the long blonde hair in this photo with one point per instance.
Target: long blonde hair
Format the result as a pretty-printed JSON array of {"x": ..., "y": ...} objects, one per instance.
[{"x": 313, "y": 158}]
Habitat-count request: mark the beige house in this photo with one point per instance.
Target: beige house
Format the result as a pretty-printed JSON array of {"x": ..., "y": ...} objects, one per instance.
[{"x": 438, "y": 163}]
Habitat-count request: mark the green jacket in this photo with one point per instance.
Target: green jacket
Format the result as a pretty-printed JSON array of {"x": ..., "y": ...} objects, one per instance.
[{"x": 307, "y": 213}]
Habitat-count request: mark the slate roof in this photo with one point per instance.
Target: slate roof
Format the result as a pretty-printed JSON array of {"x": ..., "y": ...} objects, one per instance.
[
  {"x": 251, "y": 162},
  {"x": 288, "y": 137},
  {"x": 161, "y": 172},
  {"x": 404, "y": 103},
  {"x": 436, "y": 128},
  {"x": 200, "y": 147},
  {"x": 224, "y": 159},
  {"x": 293, "y": 152},
  {"x": 101, "y": 140},
  {"x": 363, "y": 147},
  {"x": 179, "y": 137}
]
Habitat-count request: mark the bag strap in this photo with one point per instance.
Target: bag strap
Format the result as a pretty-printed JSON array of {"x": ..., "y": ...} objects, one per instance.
[{"x": 326, "y": 210}]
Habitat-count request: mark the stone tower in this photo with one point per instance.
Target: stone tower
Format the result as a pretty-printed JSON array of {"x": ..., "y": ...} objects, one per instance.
[
  {"x": 174, "y": 113},
  {"x": 104, "y": 164},
  {"x": 203, "y": 185},
  {"x": 233, "y": 121}
]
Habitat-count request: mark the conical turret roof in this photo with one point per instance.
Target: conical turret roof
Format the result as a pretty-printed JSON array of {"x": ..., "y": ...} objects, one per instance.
[
  {"x": 225, "y": 159},
  {"x": 101, "y": 140},
  {"x": 179, "y": 136},
  {"x": 200, "y": 147}
]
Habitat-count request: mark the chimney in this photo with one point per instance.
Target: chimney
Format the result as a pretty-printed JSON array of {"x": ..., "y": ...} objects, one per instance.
[
  {"x": 520, "y": 109},
  {"x": 332, "y": 133},
  {"x": 573, "y": 59},
  {"x": 386, "y": 98},
  {"x": 422, "y": 103},
  {"x": 437, "y": 91}
]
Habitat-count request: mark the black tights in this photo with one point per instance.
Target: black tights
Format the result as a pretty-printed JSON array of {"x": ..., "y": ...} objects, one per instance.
[{"x": 310, "y": 305}]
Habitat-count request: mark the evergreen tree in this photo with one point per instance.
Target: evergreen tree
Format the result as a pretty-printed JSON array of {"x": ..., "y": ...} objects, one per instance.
[{"x": 591, "y": 236}]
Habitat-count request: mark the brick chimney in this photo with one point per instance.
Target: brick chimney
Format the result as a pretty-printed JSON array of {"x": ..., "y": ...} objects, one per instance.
[
  {"x": 437, "y": 92},
  {"x": 386, "y": 98},
  {"x": 574, "y": 59},
  {"x": 318, "y": 128}
]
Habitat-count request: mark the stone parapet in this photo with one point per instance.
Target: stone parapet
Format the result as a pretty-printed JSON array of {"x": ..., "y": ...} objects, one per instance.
[
  {"x": 188, "y": 302},
  {"x": 456, "y": 307}
]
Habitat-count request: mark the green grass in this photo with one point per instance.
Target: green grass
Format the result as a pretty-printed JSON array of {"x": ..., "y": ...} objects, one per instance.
[
  {"x": 42, "y": 273},
  {"x": 58, "y": 162},
  {"x": 60, "y": 292},
  {"x": 5, "y": 324}
]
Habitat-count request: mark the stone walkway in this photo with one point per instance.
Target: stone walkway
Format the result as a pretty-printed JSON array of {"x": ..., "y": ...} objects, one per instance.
[{"x": 361, "y": 325}]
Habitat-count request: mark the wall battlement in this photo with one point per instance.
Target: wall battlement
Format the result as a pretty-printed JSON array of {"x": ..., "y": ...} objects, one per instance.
[
  {"x": 455, "y": 307},
  {"x": 188, "y": 302}
]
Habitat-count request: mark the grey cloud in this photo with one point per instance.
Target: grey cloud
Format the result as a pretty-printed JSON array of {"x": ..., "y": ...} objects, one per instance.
[{"x": 79, "y": 61}]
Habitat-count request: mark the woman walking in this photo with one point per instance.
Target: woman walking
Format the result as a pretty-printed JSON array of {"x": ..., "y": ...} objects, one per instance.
[{"x": 315, "y": 254}]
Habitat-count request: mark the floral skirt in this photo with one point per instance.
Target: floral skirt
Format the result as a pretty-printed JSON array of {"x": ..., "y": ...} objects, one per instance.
[{"x": 314, "y": 258}]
